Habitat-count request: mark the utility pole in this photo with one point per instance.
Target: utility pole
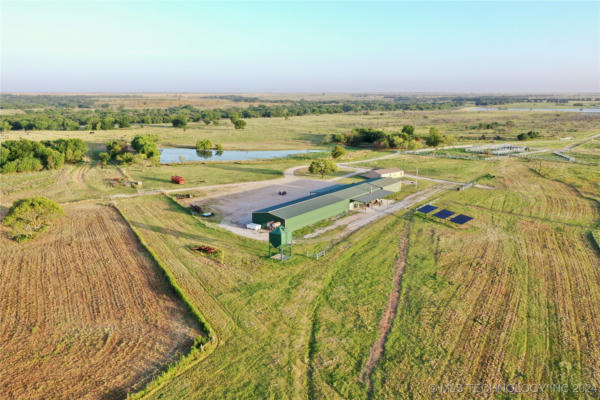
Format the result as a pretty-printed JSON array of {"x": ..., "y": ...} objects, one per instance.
[{"x": 417, "y": 179}]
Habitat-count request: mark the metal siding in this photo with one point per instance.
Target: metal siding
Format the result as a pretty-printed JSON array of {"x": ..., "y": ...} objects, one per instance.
[
  {"x": 264, "y": 217},
  {"x": 294, "y": 213},
  {"x": 317, "y": 215}
]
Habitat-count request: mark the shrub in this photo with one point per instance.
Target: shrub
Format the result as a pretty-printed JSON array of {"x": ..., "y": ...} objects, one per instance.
[
  {"x": 115, "y": 148},
  {"x": 126, "y": 158},
  {"x": 409, "y": 130},
  {"x": 204, "y": 144},
  {"x": 104, "y": 157},
  {"x": 338, "y": 152},
  {"x": 239, "y": 124},
  {"x": 179, "y": 121},
  {"x": 30, "y": 216},
  {"x": 338, "y": 138},
  {"x": 435, "y": 137}
]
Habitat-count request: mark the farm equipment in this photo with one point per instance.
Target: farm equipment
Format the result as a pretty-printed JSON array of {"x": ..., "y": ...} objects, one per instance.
[
  {"x": 196, "y": 208},
  {"x": 178, "y": 179},
  {"x": 271, "y": 225},
  {"x": 205, "y": 249}
]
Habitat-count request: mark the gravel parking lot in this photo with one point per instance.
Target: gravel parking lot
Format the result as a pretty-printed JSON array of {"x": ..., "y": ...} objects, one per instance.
[{"x": 237, "y": 207}]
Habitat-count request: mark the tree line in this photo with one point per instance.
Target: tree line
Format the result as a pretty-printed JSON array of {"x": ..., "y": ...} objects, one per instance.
[
  {"x": 104, "y": 119},
  {"x": 404, "y": 139},
  {"x": 27, "y": 155}
]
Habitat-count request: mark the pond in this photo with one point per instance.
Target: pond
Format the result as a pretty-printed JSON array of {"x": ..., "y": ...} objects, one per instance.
[
  {"x": 582, "y": 110},
  {"x": 172, "y": 155}
]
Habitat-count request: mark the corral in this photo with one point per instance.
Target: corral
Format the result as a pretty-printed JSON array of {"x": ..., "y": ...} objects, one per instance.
[
  {"x": 497, "y": 149},
  {"x": 326, "y": 203}
]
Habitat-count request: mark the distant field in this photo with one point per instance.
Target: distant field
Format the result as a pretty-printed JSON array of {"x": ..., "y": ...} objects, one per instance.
[
  {"x": 85, "y": 312},
  {"x": 309, "y": 131}
]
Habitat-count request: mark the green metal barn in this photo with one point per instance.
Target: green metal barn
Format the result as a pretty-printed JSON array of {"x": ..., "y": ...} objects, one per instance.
[{"x": 328, "y": 203}]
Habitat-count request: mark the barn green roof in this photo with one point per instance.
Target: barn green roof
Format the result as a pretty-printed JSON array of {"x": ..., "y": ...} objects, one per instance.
[{"x": 357, "y": 191}]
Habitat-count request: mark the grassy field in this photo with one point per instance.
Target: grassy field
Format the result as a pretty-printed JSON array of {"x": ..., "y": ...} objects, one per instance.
[
  {"x": 440, "y": 168},
  {"x": 504, "y": 299},
  {"x": 308, "y": 131},
  {"x": 89, "y": 316},
  {"x": 512, "y": 296}
]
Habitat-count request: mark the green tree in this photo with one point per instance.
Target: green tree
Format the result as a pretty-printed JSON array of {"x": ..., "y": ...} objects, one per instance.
[
  {"x": 126, "y": 158},
  {"x": 179, "y": 121},
  {"x": 338, "y": 152},
  {"x": 435, "y": 138},
  {"x": 322, "y": 167},
  {"x": 5, "y": 126},
  {"x": 409, "y": 130},
  {"x": 116, "y": 147},
  {"x": 104, "y": 157},
  {"x": 107, "y": 123},
  {"x": 204, "y": 144},
  {"x": 239, "y": 124},
  {"x": 124, "y": 120},
  {"x": 146, "y": 145},
  {"x": 30, "y": 216},
  {"x": 219, "y": 147}
]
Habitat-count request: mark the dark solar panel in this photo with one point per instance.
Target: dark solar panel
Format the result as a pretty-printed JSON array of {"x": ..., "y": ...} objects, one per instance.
[
  {"x": 427, "y": 209},
  {"x": 443, "y": 214},
  {"x": 461, "y": 219}
]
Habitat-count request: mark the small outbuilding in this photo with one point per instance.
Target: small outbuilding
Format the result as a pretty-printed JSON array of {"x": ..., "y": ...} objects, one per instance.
[{"x": 384, "y": 173}]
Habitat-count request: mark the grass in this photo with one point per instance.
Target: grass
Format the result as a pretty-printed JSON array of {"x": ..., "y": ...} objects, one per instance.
[
  {"x": 303, "y": 172},
  {"x": 513, "y": 293},
  {"x": 441, "y": 168},
  {"x": 239, "y": 299},
  {"x": 68, "y": 184}
]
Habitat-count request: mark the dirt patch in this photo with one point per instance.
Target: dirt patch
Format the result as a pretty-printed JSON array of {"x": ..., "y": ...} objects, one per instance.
[
  {"x": 389, "y": 313},
  {"x": 84, "y": 312}
]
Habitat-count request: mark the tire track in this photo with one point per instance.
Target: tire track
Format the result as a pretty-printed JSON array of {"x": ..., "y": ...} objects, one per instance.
[{"x": 389, "y": 313}]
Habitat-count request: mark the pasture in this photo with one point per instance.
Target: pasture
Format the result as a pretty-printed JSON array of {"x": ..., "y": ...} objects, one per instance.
[{"x": 511, "y": 296}]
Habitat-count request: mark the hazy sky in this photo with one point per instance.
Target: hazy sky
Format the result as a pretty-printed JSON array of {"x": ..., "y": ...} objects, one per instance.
[{"x": 294, "y": 46}]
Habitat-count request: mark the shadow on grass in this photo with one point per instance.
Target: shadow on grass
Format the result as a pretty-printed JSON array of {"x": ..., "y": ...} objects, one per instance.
[
  {"x": 167, "y": 231},
  {"x": 161, "y": 180}
]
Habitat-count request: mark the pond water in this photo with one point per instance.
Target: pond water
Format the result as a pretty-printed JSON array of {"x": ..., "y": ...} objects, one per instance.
[
  {"x": 582, "y": 110},
  {"x": 172, "y": 155}
]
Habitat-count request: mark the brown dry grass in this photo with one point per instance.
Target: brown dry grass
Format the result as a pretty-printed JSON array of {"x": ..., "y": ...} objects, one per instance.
[{"x": 84, "y": 312}]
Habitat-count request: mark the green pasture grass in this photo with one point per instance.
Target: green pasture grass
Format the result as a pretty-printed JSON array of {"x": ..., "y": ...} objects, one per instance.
[{"x": 435, "y": 167}]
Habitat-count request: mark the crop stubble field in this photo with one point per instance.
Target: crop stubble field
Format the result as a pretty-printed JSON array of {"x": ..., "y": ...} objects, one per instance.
[{"x": 85, "y": 312}]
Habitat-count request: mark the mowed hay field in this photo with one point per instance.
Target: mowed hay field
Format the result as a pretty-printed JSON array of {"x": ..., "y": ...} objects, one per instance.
[
  {"x": 511, "y": 297},
  {"x": 84, "y": 312}
]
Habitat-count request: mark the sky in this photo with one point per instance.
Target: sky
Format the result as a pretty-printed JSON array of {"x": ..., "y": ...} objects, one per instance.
[{"x": 297, "y": 46}]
